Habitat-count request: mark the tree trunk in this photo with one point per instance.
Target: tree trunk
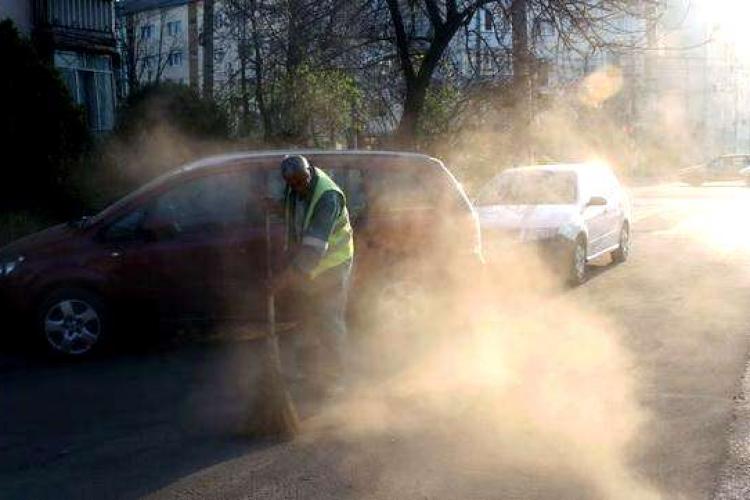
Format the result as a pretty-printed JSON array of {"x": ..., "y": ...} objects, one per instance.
[
  {"x": 131, "y": 53},
  {"x": 521, "y": 81},
  {"x": 244, "y": 97},
  {"x": 259, "y": 62},
  {"x": 208, "y": 49},
  {"x": 416, "y": 87},
  {"x": 193, "y": 44},
  {"x": 406, "y": 133}
]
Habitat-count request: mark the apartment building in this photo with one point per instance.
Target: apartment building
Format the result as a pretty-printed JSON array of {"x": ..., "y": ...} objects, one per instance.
[
  {"x": 78, "y": 37},
  {"x": 161, "y": 40}
]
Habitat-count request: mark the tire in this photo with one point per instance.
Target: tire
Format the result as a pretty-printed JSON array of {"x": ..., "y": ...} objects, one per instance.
[
  {"x": 73, "y": 323},
  {"x": 577, "y": 263},
  {"x": 623, "y": 251}
]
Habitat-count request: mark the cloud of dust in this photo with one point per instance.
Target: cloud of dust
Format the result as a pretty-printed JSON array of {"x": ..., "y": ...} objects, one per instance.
[
  {"x": 158, "y": 150},
  {"x": 516, "y": 385},
  {"x": 601, "y": 85},
  {"x": 606, "y": 114}
]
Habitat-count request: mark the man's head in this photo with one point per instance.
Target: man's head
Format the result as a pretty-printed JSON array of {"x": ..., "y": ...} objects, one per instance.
[{"x": 297, "y": 173}]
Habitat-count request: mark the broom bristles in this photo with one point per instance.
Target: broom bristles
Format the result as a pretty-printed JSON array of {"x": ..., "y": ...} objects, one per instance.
[{"x": 273, "y": 413}]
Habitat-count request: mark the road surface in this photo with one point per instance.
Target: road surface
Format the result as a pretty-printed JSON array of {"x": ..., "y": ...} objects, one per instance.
[{"x": 622, "y": 388}]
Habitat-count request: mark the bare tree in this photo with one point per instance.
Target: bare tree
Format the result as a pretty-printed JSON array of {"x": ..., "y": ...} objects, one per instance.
[
  {"x": 422, "y": 31},
  {"x": 276, "y": 42},
  {"x": 421, "y": 50},
  {"x": 148, "y": 50},
  {"x": 208, "y": 49}
]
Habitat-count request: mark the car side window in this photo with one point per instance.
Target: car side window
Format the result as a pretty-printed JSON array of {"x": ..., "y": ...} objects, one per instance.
[
  {"x": 348, "y": 179},
  {"x": 207, "y": 204},
  {"x": 125, "y": 228},
  {"x": 404, "y": 187},
  {"x": 355, "y": 193}
]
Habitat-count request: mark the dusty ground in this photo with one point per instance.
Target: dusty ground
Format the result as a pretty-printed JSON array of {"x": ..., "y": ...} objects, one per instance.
[{"x": 631, "y": 398}]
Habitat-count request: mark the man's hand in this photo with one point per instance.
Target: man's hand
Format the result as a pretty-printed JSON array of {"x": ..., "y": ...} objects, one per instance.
[{"x": 288, "y": 278}]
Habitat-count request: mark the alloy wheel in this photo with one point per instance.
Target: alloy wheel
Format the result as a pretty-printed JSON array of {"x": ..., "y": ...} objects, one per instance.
[
  {"x": 72, "y": 326},
  {"x": 579, "y": 262}
]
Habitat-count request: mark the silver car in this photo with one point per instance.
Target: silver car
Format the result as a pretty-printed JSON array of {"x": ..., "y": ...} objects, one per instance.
[{"x": 572, "y": 213}]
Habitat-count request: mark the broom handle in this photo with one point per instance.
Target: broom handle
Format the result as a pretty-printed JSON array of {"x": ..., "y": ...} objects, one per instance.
[{"x": 270, "y": 300}]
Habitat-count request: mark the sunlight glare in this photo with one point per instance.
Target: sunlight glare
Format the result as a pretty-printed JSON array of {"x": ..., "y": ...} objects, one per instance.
[{"x": 727, "y": 22}]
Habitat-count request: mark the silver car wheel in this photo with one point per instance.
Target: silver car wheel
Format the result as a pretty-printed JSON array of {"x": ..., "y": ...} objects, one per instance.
[
  {"x": 622, "y": 253},
  {"x": 625, "y": 243},
  {"x": 72, "y": 326},
  {"x": 579, "y": 262}
]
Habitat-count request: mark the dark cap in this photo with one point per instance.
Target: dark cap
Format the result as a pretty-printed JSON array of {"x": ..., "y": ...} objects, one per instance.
[{"x": 294, "y": 163}]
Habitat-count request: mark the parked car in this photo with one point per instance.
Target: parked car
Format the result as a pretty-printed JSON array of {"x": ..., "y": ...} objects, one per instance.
[
  {"x": 571, "y": 213},
  {"x": 745, "y": 175},
  {"x": 190, "y": 244},
  {"x": 723, "y": 168}
]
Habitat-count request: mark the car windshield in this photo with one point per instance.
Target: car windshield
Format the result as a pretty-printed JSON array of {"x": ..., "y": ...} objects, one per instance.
[
  {"x": 531, "y": 187},
  {"x": 114, "y": 207}
]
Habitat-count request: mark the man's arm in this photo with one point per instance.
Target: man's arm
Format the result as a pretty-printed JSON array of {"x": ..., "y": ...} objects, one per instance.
[
  {"x": 314, "y": 241},
  {"x": 315, "y": 238}
]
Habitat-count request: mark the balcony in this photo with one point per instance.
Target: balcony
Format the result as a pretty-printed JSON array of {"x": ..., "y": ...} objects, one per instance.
[{"x": 75, "y": 24}]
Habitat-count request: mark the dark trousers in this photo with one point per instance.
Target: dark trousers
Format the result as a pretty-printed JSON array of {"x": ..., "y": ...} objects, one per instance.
[{"x": 321, "y": 348}]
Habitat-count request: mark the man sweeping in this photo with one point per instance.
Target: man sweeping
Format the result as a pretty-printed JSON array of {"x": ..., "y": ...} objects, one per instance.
[{"x": 320, "y": 243}]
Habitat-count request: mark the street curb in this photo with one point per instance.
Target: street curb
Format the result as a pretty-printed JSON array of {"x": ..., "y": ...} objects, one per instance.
[{"x": 733, "y": 481}]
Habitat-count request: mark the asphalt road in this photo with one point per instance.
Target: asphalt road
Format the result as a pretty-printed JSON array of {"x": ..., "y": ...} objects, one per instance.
[{"x": 623, "y": 388}]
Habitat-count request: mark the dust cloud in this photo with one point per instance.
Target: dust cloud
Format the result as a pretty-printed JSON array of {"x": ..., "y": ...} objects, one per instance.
[
  {"x": 516, "y": 386},
  {"x": 519, "y": 386}
]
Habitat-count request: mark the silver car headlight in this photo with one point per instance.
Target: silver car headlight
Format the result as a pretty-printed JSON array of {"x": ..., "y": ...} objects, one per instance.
[{"x": 8, "y": 267}]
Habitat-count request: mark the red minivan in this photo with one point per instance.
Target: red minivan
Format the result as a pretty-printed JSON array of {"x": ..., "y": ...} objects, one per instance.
[{"x": 191, "y": 245}]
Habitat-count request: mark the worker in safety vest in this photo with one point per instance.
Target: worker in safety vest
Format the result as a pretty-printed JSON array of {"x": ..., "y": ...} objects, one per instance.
[{"x": 321, "y": 245}]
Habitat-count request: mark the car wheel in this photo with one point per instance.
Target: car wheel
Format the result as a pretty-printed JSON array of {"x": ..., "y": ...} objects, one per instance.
[
  {"x": 577, "y": 272},
  {"x": 623, "y": 251},
  {"x": 72, "y": 322},
  {"x": 391, "y": 322}
]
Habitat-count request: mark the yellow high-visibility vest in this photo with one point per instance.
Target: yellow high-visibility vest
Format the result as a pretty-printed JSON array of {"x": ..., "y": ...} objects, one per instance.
[{"x": 340, "y": 244}]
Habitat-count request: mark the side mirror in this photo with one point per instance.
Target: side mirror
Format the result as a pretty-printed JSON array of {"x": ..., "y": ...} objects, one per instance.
[{"x": 597, "y": 201}]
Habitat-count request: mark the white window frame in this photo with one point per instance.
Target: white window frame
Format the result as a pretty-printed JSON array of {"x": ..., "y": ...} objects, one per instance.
[{"x": 78, "y": 97}]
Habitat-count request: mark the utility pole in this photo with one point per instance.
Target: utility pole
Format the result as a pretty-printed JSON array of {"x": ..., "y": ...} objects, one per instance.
[
  {"x": 243, "y": 52},
  {"x": 521, "y": 79},
  {"x": 193, "y": 44},
  {"x": 208, "y": 49}
]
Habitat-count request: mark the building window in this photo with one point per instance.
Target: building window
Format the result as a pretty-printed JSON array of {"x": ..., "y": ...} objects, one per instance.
[
  {"x": 488, "y": 24},
  {"x": 548, "y": 28},
  {"x": 147, "y": 31},
  {"x": 175, "y": 59},
  {"x": 147, "y": 62},
  {"x": 488, "y": 62},
  {"x": 174, "y": 28},
  {"x": 89, "y": 80}
]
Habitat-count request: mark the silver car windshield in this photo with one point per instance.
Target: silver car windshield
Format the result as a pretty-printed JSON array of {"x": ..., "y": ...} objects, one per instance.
[{"x": 531, "y": 188}]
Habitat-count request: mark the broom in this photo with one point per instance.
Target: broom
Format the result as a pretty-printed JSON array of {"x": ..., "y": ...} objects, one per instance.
[{"x": 273, "y": 411}]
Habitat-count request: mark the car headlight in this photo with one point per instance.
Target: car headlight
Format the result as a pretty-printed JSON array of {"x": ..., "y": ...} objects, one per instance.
[
  {"x": 544, "y": 233},
  {"x": 8, "y": 267}
]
